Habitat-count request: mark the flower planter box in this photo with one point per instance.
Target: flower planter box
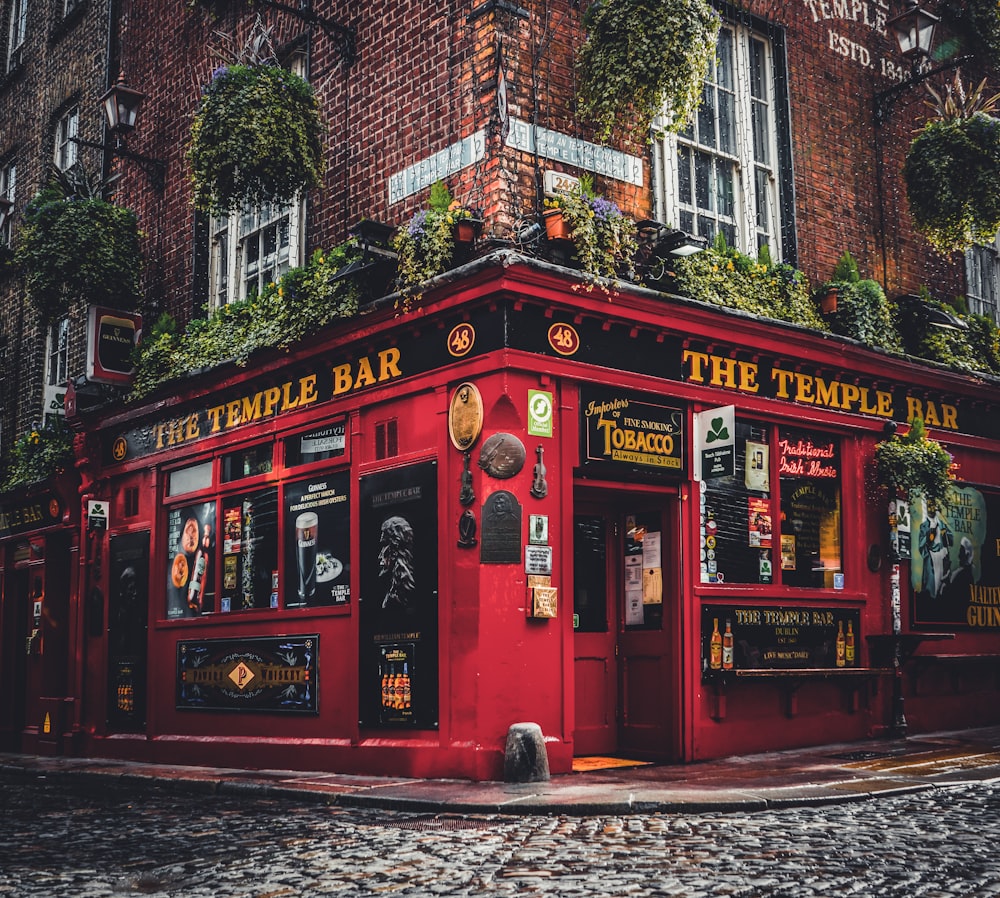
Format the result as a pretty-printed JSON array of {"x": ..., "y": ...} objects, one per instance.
[
  {"x": 555, "y": 225},
  {"x": 467, "y": 230}
]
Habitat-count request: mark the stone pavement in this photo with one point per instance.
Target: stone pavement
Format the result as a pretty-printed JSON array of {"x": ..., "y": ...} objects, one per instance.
[{"x": 814, "y": 776}]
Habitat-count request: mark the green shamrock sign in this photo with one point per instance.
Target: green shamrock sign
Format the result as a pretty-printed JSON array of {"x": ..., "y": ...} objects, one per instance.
[{"x": 719, "y": 431}]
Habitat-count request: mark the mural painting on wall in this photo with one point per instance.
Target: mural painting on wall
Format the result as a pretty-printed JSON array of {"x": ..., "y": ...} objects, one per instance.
[
  {"x": 955, "y": 564},
  {"x": 398, "y": 605}
]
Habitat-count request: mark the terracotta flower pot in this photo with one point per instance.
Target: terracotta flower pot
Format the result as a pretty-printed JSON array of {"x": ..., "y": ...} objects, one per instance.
[
  {"x": 467, "y": 230},
  {"x": 828, "y": 301},
  {"x": 555, "y": 225}
]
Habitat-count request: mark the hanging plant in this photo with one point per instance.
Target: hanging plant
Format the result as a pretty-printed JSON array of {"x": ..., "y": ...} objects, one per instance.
[
  {"x": 256, "y": 138},
  {"x": 73, "y": 245},
  {"x": 952, "y": 171},
  {"x": 642, "y": 58},
  {"x": 40, "y": 454},
  {"x": 914, "y": 463}
]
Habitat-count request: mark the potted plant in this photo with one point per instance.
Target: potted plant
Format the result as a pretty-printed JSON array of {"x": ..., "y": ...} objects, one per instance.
[
  {"x": 40, "y": 454},
  {"x": 844, "y": 272},
  {"x": 73, "y": 245},
  {"x": 914, "y": 463},
  {"x": 952, "y": 170},
  {"x": 643, "y": 58},
  {"x": 256, "y": 138},
  {"x": 425, "y": 245},
  {"x": 856, "y": 307},
  {"x": 603, "y": 238}
]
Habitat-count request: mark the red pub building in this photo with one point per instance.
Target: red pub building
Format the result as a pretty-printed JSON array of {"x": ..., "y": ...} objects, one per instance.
[{"x": 645, "y": 522}]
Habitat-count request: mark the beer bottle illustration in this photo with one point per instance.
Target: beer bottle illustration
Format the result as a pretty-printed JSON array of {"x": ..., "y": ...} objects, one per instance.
[
  {"x": 841, "y": 644},
  {"x": 406, "y": 686},
  {"x": 727, "y": 648},
  {"x": 200, "y": 572},
  {"x": 715, "y": 647},
  {"x": 849, "y": 652}
]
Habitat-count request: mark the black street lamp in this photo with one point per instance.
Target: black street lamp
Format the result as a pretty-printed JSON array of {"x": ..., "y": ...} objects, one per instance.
[{"x": 121, "y": 108}]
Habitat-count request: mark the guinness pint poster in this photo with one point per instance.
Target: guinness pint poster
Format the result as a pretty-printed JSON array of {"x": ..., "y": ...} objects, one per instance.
[
  {"x": 955, "y": 563},
  {"x": 398, "y": 605},
  {"x": 318, "y": 541}
]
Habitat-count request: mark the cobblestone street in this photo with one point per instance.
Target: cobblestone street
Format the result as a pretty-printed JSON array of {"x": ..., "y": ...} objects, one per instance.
[{"x": 936, "y": 843}]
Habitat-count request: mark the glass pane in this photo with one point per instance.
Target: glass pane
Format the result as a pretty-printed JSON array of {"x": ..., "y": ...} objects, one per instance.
[
  {"x": 250, "y": 552},
  {"x": 706, "y": 119},
  {"x": 729, "y": 231},
  {"x": 703, "y": 175},
  {"x": 590, "y": 597},
  {"x": 687, "y": 222},
  {"x": 809, "y": 464},
  {"x": 726, "y": 187},
  {"x": 269, "y": 238},
  {"x": 763, "y": 215},
  {"x": 724, "y": 55},
  {"x": 643, "y": 566},
  {"x": 759, "y": 114},
  {"x": 727, "y": 123},
  {"x": 187, "y": 480},
  {"x": 247, "y": 463},
  {"x": 684, "y": 175}
]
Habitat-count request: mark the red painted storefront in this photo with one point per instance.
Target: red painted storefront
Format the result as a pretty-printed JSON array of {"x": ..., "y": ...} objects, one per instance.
[{"x": 500, "y": 491}]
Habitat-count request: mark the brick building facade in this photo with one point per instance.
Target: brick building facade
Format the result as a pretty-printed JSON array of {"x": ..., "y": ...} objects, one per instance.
[{"x": 505, "y": 628}]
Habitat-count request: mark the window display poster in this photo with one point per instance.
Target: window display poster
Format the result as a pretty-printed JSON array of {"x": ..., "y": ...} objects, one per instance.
[
  {"x": 318, "y": 541},
  {"x": 128, "y": 596},
  {"x": 191, "y": 532},
  {"x": 757, "y": 467},
  {"x": 249, "y": 549},
  {"x": 760, "y": 522},
  {"x": 398, "y": 601},
  {"x": 955, "y": 565}
]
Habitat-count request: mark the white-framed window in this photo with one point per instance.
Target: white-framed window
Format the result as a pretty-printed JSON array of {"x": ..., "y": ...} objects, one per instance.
[
  {"x": 8, "y": 183},
  {"x": 67, "y": 129},
  {"x": 982, "y": 274},
  {"x": 56, "y": 369},
  {"x": 252, "y": 249},
  {"x": 722, "y": 172},
  {"x": 18, "y": 31}
]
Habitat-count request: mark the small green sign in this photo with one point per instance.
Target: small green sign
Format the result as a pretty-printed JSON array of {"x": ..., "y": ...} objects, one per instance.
[{"x": 539, "y": 413}]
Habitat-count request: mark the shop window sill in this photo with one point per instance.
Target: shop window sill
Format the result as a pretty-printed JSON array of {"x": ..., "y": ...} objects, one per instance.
[{"x": 853, "y": 681}]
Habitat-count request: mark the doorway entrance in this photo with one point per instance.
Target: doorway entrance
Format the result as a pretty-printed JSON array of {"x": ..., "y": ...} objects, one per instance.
[{"x": 625, "y": 613}]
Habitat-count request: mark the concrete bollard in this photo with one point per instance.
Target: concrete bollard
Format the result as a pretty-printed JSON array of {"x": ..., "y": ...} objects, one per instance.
[{"x": 525, "y": 759}]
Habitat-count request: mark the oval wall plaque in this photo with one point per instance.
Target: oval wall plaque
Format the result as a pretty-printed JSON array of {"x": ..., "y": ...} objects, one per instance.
[
  {"x": 465, "y": 416},
  {"x": 502, "y": 456}
]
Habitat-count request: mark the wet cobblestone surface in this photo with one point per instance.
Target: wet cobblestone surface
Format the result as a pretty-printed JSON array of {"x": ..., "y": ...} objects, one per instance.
[{"x": 928, "y": 845}]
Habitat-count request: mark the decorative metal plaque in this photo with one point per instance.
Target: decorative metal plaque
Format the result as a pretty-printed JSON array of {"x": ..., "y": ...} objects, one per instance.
[
  {"x": 502, "y": 456},
  {"x": 501, "y": 533},
  {"x": 465, "y": 416}
]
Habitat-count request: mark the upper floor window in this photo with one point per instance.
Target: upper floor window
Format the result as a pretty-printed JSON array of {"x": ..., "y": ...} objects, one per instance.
[
  {"x": 982, "y": 273},
  {"x": 8, "y": 182},
  {"x": 18, "y": 30},
  {"x": 724, "y": 172},
  {"x": 56, "y": 369},
  {"x": 66, "y": 131},
  {"x": 251, "y": 249}
]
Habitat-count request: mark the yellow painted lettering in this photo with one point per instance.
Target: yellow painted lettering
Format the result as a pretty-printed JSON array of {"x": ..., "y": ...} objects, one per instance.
[
  {"x": 365, "y": 376},
  {"x": 827, "y": 393},
  {"x": 850, "y": 394},
  {"x": 193, "y": 431},
  {"x": 884, "y": 403},
  {"x": 307, "y": 390},
  {"x": 215, "y": 415},
  {"x": 949, "y": 416},
  {"x": 782, "y": 378},
  {"x": 698, "y": 362},
  {"x": 748, "y": 377},
  {"x": 804, "y": 388},
  {"x": 341, "y": 379},
  {"x": 389, "y": 364},
  {"x": 286, "y": 397},
  {"x": 931, "y": 415},
  {"x": 251, "y": 408},
  {"x": 272, "y": 396},
  {"x": 914, "y": 408},
  {"x": 723, "y": 372},
  {"x": 233, "y": 413}
]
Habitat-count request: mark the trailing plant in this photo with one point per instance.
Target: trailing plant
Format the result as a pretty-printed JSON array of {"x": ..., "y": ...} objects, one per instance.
[
  {"x": 864, "y": 314},
  {"x": 39, "y": 454},
  {"x": 914, "y": 463},
  {"x": 984, "y": 340},
  {"x": 425, "y": 245},
  {"x": 952, "y": 170},
  {"x": 302, "y": 301},
  {"x": 726, "y": 277},
  {"x": 73, "y": 245},
  {"x": 642, "y": 58},
  {"x": 921, "y": 338},
  {"x": 604, "y": 239},
  {"x": 256, "y": 138}
]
